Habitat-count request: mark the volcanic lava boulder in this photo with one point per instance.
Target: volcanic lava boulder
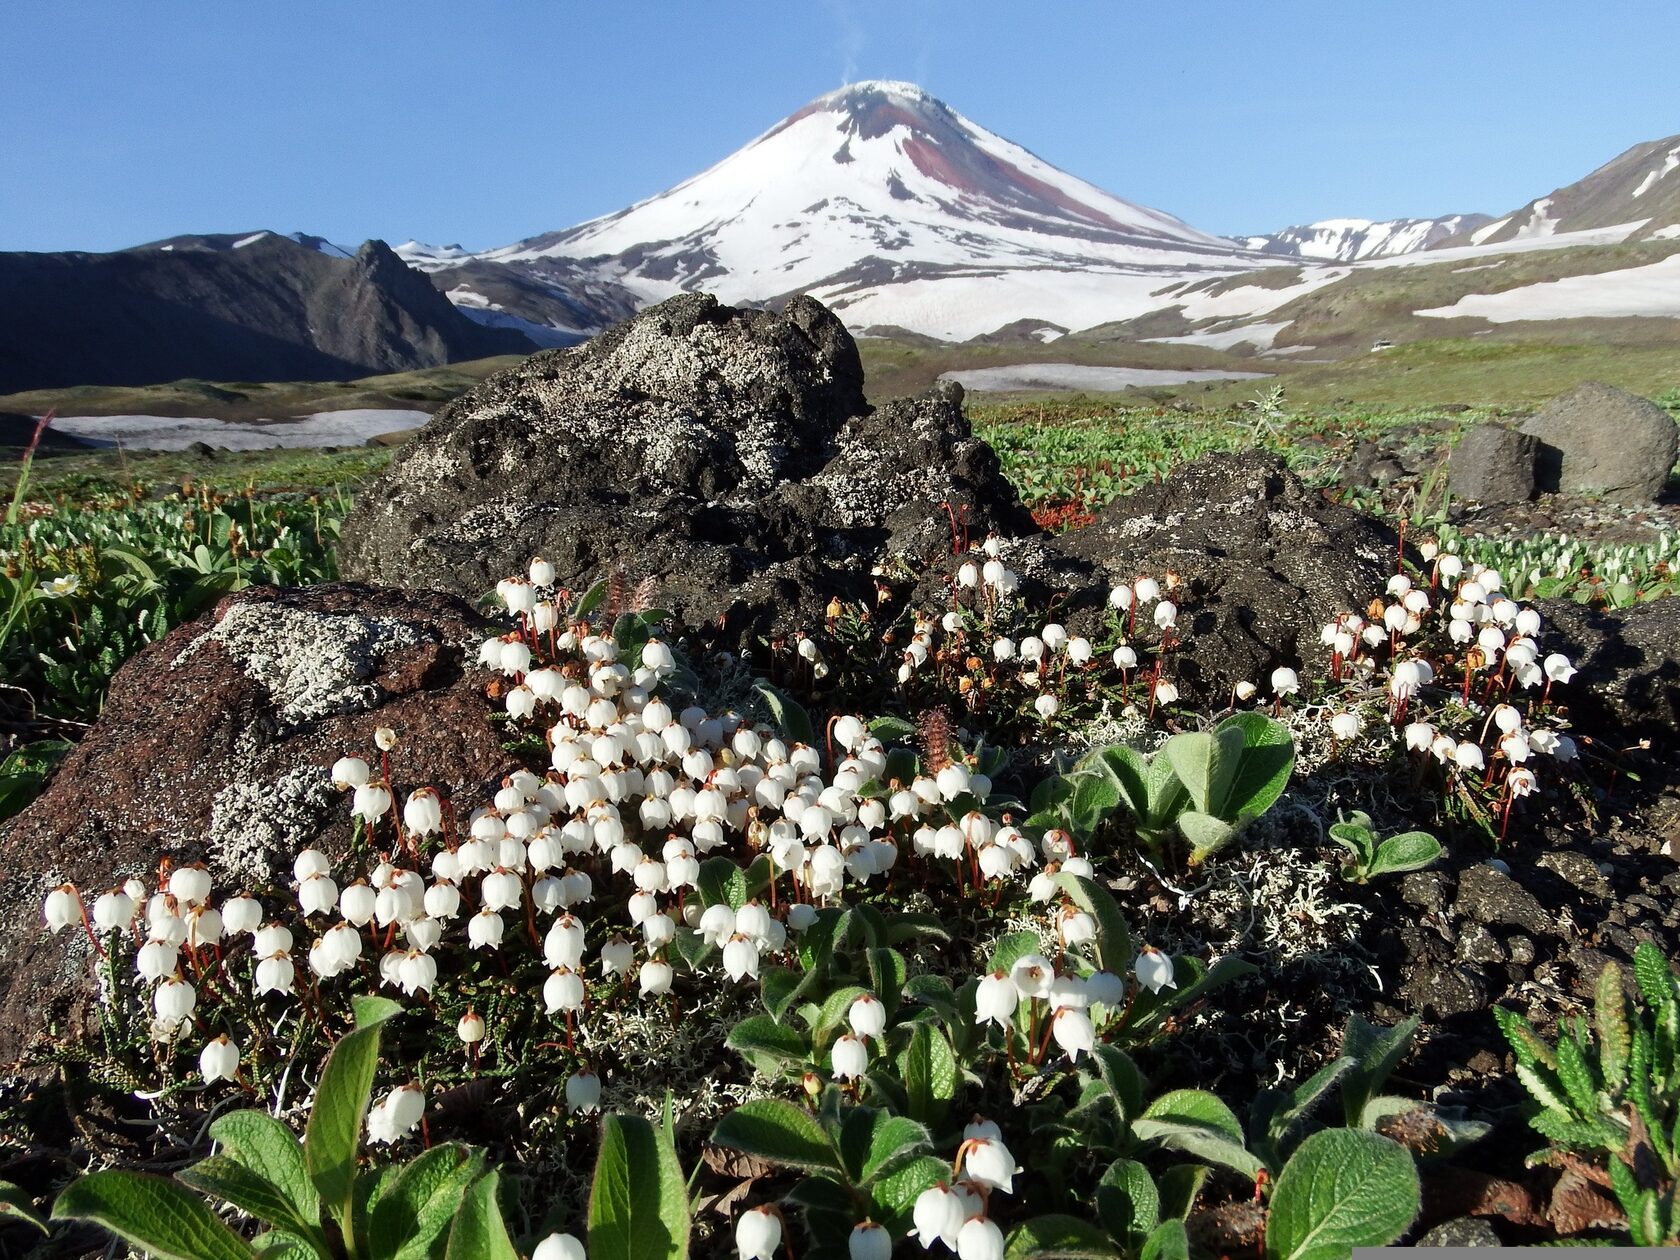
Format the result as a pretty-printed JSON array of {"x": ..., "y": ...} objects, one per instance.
[
  {"x": 1262, "y": 562},
  {"x": 727, "y": 455},
  {"x": 216, "y": 744},
  {"x": 1493, "y": 464},
  {"x": 1629, "y": 663},
  {"x": 1599, "y": 440}
]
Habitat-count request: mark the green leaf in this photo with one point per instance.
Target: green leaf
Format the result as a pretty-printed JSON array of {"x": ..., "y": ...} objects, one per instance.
[
  {"x": 1180, "y": 1185},
  {"x": 888, "y": 973},
  {"x": 638, "y": 1205},
  {"x": 779, "y": 1132},
  {"x": 1409, "y": 851},
  {"x": 1114, "y": 938},
  {"x": 928, "y": 1068},
  {"x": 762, "y": 1035},
  {"x": 1653, "y": 974},
  {"x": 158, "y": 1215},
  {"x": 277, "y": 1244},
  {"x": 1611, "y": 1023},
  {"x": 1204, "y": 833},
  {"x": 1129, "y": 770},
  {"x": 1206, "y": 763},
  {"x": 1167, "y": 1241},
  {"x": 1195, "y": 1121},
  {"x": 895, "y": 1193},
  {"x": 1268, "y": 759},
  {"x": 16, "y": 1205},
  {"x": 1120, "y": 1078},
  {"x": 1058, "y": 1238},
  {"x": 1343, "y": 1189},
  {"x": 417, "y": 1207},
  {"x": 334, "y": 1133},
  {"x": 224, "y": 1177},
  {"x": 721, "y": 882},
  {"x": 268, "y": 1148},
  {"x": 1010, "y": 949},
  {"x": 590, "y": 600},
  {"x": 789, "y": 714},
  {"x": 1575, "y": 1074},
  {"x": 1376, "y": 1052},
  {"x": 478, "y": 1232},
  {"x": 892, "y": 730},
  {"x": 1128, "y": 1203},
  {"x": 893, "y": 1141},
  {"x": 1300, "y": 1101}
]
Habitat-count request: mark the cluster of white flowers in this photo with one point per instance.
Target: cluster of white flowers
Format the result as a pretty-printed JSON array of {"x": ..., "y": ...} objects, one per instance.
[
  {"x": 593, "y": 865},
  {"x": 1048, "y": 662},
  {"x": 1457, "y": 642}
]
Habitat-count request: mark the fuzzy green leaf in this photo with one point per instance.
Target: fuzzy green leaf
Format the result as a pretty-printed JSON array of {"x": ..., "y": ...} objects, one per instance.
[
  {"x": 1180, "y": 1185},
  {"x": 160, "y": 1216},
  {"x": 779, "y": 1132},
  {"x": 893, "y": 1142},
  {"x": 928, "y": 1067},
  {"x": 1120, "y": 1078},
  {"x": 762, "y": 1035},
  {"x": 1408, "y": 851},
  {"x": 1128, "y": 1203},
  {"x": 478, "y": 1231},
  {"x": 1010, "y": 949},
  {"x": 1167, "y": 1241},
  {"x": 1268, "y": 760},
  {"x": 226, "y": 1178},
  {"x": 1196, "y": 1121},
  {"x": 638, "y": 1203},
  {"x": 1343, "y": 1189},
  {"x": 334, "y": 1133},
  {"x": 268, "y": 1148},
  {"x": 788, "y": 713},
  {"x": 1611, "y": 1024},
  {"x": 16, "y": 1205},
  {"x": 1114, "y": 938},
  {"x": 418, "y": 1206}
]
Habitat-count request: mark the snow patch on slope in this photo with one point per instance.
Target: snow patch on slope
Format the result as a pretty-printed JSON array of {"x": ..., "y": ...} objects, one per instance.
[{"x": 1651, "y": 290}]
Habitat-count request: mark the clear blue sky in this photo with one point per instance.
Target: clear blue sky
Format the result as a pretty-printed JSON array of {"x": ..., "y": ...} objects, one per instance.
[{"x": 488, "y": 121}]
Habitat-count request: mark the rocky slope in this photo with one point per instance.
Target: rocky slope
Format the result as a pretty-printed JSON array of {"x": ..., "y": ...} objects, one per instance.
[{"x": 261, "y": 307}]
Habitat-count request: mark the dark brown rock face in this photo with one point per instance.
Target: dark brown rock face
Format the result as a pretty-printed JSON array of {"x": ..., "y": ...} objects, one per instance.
[
  {"x": 216, "y": 744},
  {"x": 1629, "y": 663},
  {"x": 1263, "y": 561},
  {"x": 728, "y": 455}
]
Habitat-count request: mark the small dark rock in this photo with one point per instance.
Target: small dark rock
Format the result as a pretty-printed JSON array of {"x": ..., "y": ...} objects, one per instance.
[
  {"x": 1464, "y": 1231},
  {"x": 1491, "y": 897},
  {"x": 1493, "y": 464},
  {"x": 1478, "y": 945}
]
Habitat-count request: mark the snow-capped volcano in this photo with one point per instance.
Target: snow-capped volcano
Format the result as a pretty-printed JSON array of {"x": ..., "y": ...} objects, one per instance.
[{"x": 890, "y": 206}]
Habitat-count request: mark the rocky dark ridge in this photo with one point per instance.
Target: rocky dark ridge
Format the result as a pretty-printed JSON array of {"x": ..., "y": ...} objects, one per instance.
[
  {"x": 726, "y": 455},
  {"x": 268, "y": 309}
]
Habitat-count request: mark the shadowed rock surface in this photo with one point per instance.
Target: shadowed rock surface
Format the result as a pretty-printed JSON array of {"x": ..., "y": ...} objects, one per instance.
[
  {"x": 728, "y": 455},
  {"x": 216, "y": 743},
  {"x": 1263, "y": 563},
  {"x": 1629, "y": 663},
  {"x": 1599, "y": 440},
  {"x": 1493, "y": 464}
]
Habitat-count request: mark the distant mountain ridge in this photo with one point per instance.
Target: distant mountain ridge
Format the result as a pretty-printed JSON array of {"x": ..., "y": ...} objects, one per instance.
[
  {"x": 252, "y": 307},
  {"x": 1351, "y": 240},
  {"x": 1639, "y": 188}
]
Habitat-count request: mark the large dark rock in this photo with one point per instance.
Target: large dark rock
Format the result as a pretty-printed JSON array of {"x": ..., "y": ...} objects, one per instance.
[
  {"x": 728, "y": 455},
  {"x": 1263, "y": 561},
  {"x": 1629, "y": 663},
  {"x": 1596, "y": 439},
  {"x": 1493, "y": 464},
  {"x": 216, "y": 743}
]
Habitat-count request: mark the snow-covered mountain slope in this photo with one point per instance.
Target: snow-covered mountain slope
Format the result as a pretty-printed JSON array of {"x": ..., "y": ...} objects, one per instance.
[
  {"x": 893, "y": 208},
  {"x": 1638, "y": 191},
  {"x": 1351, "y": 240}
]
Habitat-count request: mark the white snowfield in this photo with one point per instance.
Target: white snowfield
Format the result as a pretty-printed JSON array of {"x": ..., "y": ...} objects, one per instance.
[
  {"x": 170, "y": 433},
  {"x": 1653, "y": 289},
  {"x": 1058, "y": 376}
]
